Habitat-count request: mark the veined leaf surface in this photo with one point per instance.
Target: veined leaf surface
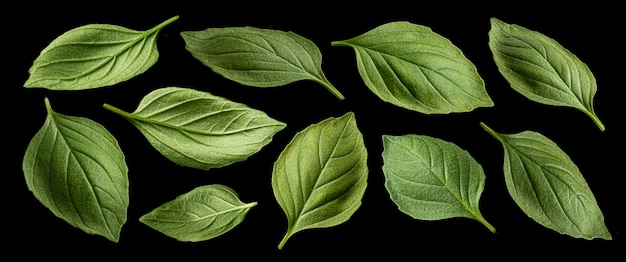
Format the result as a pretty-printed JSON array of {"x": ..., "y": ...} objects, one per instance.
[
  {"x": 204, "y": 213},
  {"x": 258, "y": 57},
  {"x": 76, "y": 169},
  {"x": 542, "y": 70},
  {"x": 547, "y": 185},
  {"x": 95, "y": 55},
  {"x": 320, "y": 177},
  {"x": 197, "y": 129},
  {"x": 410, "y": 66},
  {"x": 432, "y": 179}
]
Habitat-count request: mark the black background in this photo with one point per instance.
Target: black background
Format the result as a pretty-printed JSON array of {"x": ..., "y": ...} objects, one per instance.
[{"x": 377, "y": 228}]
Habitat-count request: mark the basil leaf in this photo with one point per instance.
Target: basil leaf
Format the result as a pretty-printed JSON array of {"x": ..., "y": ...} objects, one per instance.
[
  {"x": 547, "y": 185},
  {"x": 199, "y": 130},
  {"x": 432, "y": 179},
  {"x": 76, "y": 169},
  {"x": 410, "y": 66},
  {"x": 320, "y": 177},
  {"x": 542, "y": 70},
  {"x": 201, "y": 214},
  {"x": 93, "y": 56},
  {"x": 258, "y": 57}
]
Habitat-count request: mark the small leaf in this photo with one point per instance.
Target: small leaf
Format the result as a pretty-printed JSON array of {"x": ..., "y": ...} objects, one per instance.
[
  {"x": 547, "y": 185},
  {"x": 95, "y": 55},
  {"x": 542, "y": 70},
  {"x": 410, "y": 66},
  {"x": 258, "y": 57},
  {"x": 200, "y": 130},
  {"x": 432, "y": 179},
  {"x": 320, "y": 177},
  {"x": 76, "y": 169},
  {"x": 204, "y": 213}
]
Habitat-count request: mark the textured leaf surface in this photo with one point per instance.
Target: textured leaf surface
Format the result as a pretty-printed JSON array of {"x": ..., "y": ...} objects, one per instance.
[
  {"x": 547, "y": 185},
  {"x": 432, "y": 179},
  {"x": 258, "y": 57},
  {"x": 76, "y": 169},
  {"x": 542, "y": 70},
  {"x": 320, "y": 177},
  {"x": 204, "y": 213},
  {"x": 200, "y": 130},
  {"x": 93, "y": 56},
  {"x": 410, "y": 66}
]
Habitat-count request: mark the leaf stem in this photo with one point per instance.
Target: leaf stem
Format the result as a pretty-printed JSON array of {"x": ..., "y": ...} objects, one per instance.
[
  {"x": 164, "y": 23},
  {"x": 116, "y": 110},
  {"x": 284, "y": 240},
  {"x": 486, "y": 224},
  {"x": 596, "y": 120},
  {"x": 331, "y": 88},
  {"x": 495, "y": 134}
]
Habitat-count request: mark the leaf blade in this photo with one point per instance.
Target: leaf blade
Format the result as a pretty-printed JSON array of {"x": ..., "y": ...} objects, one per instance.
[
  {"x": 199, "y": 130},
  {"x": 258, "y": 57},
  {"x": 432, "y": 179},
  {"x": 548, "y": 186},
  {"x": 412, "y": 67},
  {"x": 203, "y": 213},
  {"x": 541, "y": 69},
  {"x": 77, "y": 170},
  {"x": 320, "y": 177},
  {"x": 93, "y": 56}
]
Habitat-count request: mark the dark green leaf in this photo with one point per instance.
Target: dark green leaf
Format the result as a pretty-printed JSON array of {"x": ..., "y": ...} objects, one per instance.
[
  {"x": 320, "y": 177},
  {"x": 204, "y": 213},
  {"x": 410, "y": 66},
  {"x": 76, "y": 168},
  {"x": 200, "y": 130},
  {"x": 542, "y": 70},
  {"x": 258, "y": 57},
  {"x": 432, "y": 179},
  {"x": 95, "y": 55},
  {"x": 547, "y": 185}
]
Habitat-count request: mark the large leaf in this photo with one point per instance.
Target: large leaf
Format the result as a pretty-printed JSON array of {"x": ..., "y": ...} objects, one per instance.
[
  {"x": 201, "y": 214},
  {"x": 320, "y": 177},
  {"x": 95, "y": 55},
  {"x": 258, "y": 57},
  {"x": 200, "y": 130},
  {"x": 542, "y": 70},
  {"x": 432, "y": 179},
  {"x": 547, "y": 185},
  {"x": 410, "y": 66},
  {"x": 76, "y": 169}
]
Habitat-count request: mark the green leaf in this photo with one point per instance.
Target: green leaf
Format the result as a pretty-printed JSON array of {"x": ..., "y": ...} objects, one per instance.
[
  {"x": 542, "y": 70},
  {"x": 320, "y": 177},
  {"x": 76, "y": 169},
  {"x": 547, "y": 185},
  {"x": 93, "y": 56},
  {"x": 197, "y": 129},
  {"x": 258, "y": 57},
  {"x": 432, "y": 179},
  {"x": 410, "y": 66},
  {"x": 204, "y": 213}
]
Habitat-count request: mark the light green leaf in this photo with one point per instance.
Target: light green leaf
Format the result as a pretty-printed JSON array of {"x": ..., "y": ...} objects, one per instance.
[
  {"x": 542, "y": 70},
  {"x": 200, "y": 130},
  {"x": 95, "y": 55},
  {"x": 76, "y": 169},
  {"x": 258, "y": 57},
  {"x": 320, "y": 177},
  {"x": 432, "y": 179},
  {"x": 410, "y": 66},
  {"x": 547, "y": 185},
  {"x": 204, "y": 213}
]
